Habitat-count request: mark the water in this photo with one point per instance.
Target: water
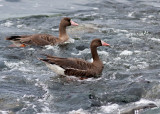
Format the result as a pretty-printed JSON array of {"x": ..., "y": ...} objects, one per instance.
[{"x": 131, "y": 75}]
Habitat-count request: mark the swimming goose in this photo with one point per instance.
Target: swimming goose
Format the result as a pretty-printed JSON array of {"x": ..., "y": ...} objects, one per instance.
[
  {"x": 43, "y": 39},
  {"x": 75, "y": 66}
]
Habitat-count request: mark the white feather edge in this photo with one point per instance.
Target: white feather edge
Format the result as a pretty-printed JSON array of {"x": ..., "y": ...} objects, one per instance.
[{"x": 57, "y": 69}]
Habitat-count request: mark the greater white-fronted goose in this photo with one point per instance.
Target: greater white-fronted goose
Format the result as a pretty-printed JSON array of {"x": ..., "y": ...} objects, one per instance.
[
  {"x": 75, "y": 66},
  {"x": 44, "y": 39}
]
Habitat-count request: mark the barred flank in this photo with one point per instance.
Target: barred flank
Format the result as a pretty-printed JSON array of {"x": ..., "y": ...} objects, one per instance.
[{"x": 81, "y": 73}]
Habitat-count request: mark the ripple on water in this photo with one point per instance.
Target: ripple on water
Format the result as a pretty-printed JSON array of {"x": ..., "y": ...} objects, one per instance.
[
  {"x": 2, "y": 65},
  {"x": 21, "y": 65},
  {"x": 139, "y": 65}
]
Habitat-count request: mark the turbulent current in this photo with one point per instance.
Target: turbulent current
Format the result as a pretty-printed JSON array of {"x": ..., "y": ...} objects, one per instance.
[{"x": 130, "y": 81}]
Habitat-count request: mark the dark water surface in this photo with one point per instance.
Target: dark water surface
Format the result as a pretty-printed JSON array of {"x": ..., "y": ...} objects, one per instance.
[{"x": 131, "y": 75}]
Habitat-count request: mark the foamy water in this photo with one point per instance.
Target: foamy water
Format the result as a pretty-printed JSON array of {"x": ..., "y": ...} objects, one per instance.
[{"x": 130, "y": 77}]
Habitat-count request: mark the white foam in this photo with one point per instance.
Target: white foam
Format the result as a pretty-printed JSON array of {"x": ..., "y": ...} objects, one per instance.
[
  {"x": 141, "y": 102},
  {"x": 95, "y": 8},
  {"x": 82, "y": 52},
  {"x": 31, "y": 49},
  {"x": 70, "y": 40},
  {"x": 49, "y": 47},
  {"x": 34, "y": 107},
  {"x": 130, "y": 14},
  {"x": 21, "y": 65},
  {"x": 90, "y": 60},
  {"x": 7, "y": 24},
  {"x": 19, "y": 26},
  {"x": 119, "y": 30},
  {"x": 144, "y": 101},
  {"x": 79, "y": 111},
  {"x": 124, "y": 31},
  {"x": 46, "y": 109},
  {"x": 126, "y": 53},
  {"x": 143, "y": 65},
  {"x": 92, "y": 79},
  {"x": 117, "y": 58},
  {"x": 55, "y": 48},
  {"x": 135, "y": 39},
  {"x": 85, "y": 51},
  {"x": 28, "y": 96},
  {"x": 140, "y": 65},
  {"x": 143, "y": 19},
  {"x": 151, "y": 16},
  {"x": 4, "y": 112},
  {"x": 104, "y": 62},
  {"x": 1, "y": 5},
  {"x": 103, "y": 53},
  {"x": 137, "y": 51},
  {"x": 110, "y": 108},
  {"x": 155, "y": 39},
  {"x": 55, "y": 29},
  {"x": 12, "y": 64},
  {"x": 43, "y": 101}
]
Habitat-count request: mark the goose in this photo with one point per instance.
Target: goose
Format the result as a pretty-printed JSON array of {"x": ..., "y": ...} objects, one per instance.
[
  {"x": 43, "y": 39},
  {"x": 75, "y": 66}
]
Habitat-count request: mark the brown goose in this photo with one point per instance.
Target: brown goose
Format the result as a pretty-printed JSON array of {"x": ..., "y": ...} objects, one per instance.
[
  {"x": 77, "y": 67},
  {"x": 44, "y": 39}
]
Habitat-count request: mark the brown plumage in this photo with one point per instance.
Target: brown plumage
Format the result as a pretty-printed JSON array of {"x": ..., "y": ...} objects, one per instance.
[
  {"x": 44, "y": 39},
  {"x": 75, "y": 66}
]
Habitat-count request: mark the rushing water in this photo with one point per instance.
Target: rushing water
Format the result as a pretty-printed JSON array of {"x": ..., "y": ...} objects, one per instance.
[{"x": 131, "y": 75}]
